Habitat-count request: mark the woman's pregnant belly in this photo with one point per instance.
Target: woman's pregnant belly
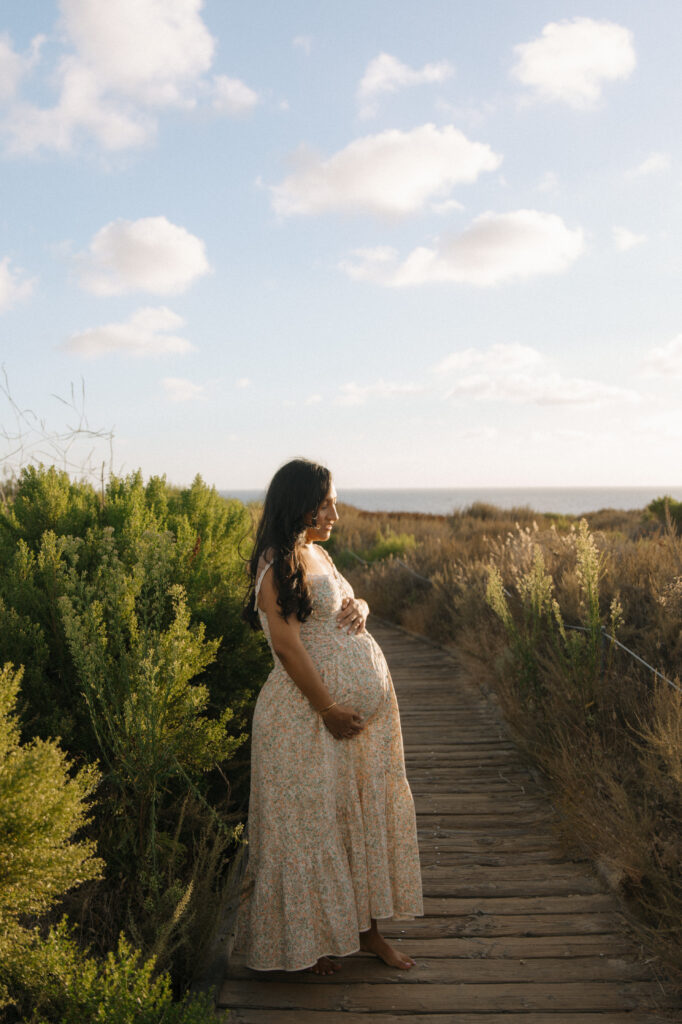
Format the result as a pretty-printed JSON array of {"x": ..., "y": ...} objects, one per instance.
[{"x": 354, "y": 671}]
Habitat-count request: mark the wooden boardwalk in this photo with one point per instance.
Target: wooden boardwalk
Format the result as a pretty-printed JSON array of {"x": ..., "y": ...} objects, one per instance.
[{"x": 514, "y": 931}]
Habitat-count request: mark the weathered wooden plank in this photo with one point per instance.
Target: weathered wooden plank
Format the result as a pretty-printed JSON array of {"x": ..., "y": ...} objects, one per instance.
[
  {"x": 460, "y": 760},
  {"x": 455, "y": 781},
  {"x": 558, "y": 997},
  {"x": 433, "y": 827},
  {"x": 526, "y": 904},
  {"x": 511, "y": 824},
  {"x": 476, "y": 970},
  {"x": 563, "y": 869},
  {"x": 447, "y": 886},
  {"x": 491, "y": 779},
  {"x": 490, "y": 775},
  {"x": 432, "y": 857},
  {"x": 483, "y": 841},
  {"x": 563, "y": 872},
  {"x": 478, "y": 803},
  {"x": 505, "y": 924},
  {"x": 494, "y": 822},
  {"x": 254, "y": 1016},
  {"x": 517, "y": 946}
]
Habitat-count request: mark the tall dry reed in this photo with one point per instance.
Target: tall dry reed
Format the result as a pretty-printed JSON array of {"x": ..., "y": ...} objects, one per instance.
[{"x": 504, "y": 589}]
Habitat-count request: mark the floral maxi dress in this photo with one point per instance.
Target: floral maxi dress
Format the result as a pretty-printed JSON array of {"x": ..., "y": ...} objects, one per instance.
[{"x": 332, "y": 836}]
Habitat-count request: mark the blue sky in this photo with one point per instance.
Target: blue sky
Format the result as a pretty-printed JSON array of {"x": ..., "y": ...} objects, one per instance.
[{"x": 429, "y": 244}]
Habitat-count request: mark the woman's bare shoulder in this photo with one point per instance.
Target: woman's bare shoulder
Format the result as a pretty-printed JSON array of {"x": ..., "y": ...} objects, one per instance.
[
  {"x": 266, "y": 558},
  {"x": 327, "y": 556}
]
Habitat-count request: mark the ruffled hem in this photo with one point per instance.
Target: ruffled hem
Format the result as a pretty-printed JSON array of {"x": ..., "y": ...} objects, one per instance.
[
  {"x": 322, "y": 897},
  {"x": 377, "y": 825},
  {"x": 308, "y": 894},
  {"x": 308, "y": 963}
]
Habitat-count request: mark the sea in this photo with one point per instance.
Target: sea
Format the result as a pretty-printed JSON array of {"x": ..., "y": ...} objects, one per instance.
[{"x": 444, "y": 500}]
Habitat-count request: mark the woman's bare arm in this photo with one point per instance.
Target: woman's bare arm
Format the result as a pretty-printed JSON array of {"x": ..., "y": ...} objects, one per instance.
[{"x": 285, "y": 635}]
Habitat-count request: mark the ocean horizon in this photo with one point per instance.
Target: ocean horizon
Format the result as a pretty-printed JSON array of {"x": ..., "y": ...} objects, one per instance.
[{"x": 445, "y": 500}]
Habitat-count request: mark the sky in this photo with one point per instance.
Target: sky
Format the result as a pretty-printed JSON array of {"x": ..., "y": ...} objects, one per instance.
[{"x": 428, "y": 244}]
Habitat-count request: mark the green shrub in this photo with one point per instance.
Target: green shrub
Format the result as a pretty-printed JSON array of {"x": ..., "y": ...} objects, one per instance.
[
  {"x": 664, "y": 510},
  {"x": 55, "y": 982},
  {"x": 155, "y": 742},
  {"x": 388, "y": 544},
  {"x": 54, "y": 527},
  {"x": 43, "y": 806},
  {"x": 124, "y": 608}
]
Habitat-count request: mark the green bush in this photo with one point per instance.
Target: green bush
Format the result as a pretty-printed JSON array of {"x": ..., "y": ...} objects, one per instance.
[
  {"x": 388, "y": 544},
  {"x": 61, "y": 984},
  {"x": 54, "y": 527},
  {"x": 53, "y": 981},
  {"x": 124, "y": 608},
  {"x": 666, "y": 509},
  {"x": 43, "y": 805}
]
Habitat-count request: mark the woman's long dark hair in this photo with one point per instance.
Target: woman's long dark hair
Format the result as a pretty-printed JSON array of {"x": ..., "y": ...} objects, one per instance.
[{"x": 296, "y": 491}]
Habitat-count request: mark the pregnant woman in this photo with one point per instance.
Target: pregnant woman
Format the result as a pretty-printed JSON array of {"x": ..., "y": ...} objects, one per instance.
[{"x": 332, "y": 830}]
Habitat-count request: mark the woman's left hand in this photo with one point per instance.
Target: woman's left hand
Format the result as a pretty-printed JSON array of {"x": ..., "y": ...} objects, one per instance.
[{"x": 353, "y": 615}]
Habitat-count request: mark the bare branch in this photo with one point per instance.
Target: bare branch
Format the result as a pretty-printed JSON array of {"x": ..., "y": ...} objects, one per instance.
[{"x": 28, "y": 440}]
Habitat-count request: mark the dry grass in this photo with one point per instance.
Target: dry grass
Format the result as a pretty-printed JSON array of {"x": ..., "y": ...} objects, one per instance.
[{"x": 605, "y": 732}]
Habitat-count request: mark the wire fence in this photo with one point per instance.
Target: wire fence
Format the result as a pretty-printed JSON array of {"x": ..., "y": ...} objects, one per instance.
[{"x": 581, "y": 629}]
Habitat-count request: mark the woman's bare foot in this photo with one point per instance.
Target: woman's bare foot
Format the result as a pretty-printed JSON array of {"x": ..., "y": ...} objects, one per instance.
[
  {"x": 324, "y": 966},
  {"x": 373, "y": 942}
]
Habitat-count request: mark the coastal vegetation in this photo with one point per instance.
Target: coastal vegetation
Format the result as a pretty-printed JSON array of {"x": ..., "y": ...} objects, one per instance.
[
  {"x": 533, "y": 604},
  {"x": 125, "y": 697},
  {"x": 128, "y": 679}
]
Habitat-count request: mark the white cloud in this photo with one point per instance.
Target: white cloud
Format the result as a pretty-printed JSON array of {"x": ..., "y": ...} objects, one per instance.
[
  {"x": 497, "y": 247},
  {"x": 386, "y": 74},
  {"x": 571, "y": 60},
  {"x": 357, "y": 394},
  {"x": 519, "y": 373},
  {"x": 502, "y": 373},
  {"x": 13, "y": 66},
  {"x": 149, "y": 254},
  {"x": 13, "y": 285},
  {"x": 180, "y": 390},
  {"x": 510, "y": 358},
  {"x": 244, "y": 382},
  {"x": 231, "y": 96},
  {"x": 313, "y": 399},
  {"x": 150, "y": 50},
  {"x": 447, "y": 206},
  {"x": 123, "y": 62},
  {"x": 655, "y": 163},
  {"x": 624, "y": 239},
  {"x": 304, "y": 43},
  {"x": 146, "y": 333},
  {"x": 664, "y": 360},
  {"x": 81, "y": 109},
  {"x": 394, "y": 172}
]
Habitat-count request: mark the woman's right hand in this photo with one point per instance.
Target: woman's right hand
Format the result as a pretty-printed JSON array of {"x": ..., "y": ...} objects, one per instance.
[{"x": 343, "y": 722}]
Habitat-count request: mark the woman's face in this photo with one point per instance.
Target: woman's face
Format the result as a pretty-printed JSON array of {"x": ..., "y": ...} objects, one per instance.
[{"x": 326, "y": 517}]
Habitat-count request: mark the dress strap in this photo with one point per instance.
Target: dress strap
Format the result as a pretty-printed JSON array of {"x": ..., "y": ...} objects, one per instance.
[
  {"x": 328, "y": 558},
  {"x": 260, "y": 579}
]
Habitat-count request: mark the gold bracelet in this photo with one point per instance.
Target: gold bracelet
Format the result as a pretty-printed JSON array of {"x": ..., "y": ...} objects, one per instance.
[{"x": 324, "y": 711}]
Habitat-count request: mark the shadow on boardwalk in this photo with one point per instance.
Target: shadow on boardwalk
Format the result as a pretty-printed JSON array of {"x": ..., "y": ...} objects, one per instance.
[{"x": 514, "y": 931}]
